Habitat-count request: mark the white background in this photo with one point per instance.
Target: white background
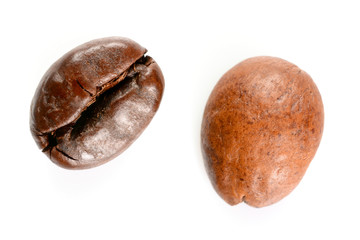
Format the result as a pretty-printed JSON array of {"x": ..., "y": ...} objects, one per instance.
[{"x": 158, "y": 188}]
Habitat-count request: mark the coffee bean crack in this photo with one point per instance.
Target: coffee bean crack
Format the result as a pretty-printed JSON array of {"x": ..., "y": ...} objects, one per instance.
[{"x": 125, "y": 82}]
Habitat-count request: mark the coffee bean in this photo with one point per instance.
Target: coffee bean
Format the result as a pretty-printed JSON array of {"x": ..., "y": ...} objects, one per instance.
[
  {"x": 95, "y": 101},
  {"x": 261, "y": 128}
]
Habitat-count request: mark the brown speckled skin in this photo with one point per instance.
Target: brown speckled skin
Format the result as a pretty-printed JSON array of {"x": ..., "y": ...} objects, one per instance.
[
  {"x": 261, "y": 128},
  {"x": 95, "y": 101}
]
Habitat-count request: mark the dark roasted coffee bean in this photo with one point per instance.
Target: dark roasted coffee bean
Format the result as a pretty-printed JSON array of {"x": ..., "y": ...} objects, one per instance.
[
  {"x": 95, "y": 101},
  {"x": 261, "y": 128}
]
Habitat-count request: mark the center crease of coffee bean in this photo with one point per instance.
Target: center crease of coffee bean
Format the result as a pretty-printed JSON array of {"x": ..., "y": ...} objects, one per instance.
[{"x": 125, "y": 82}]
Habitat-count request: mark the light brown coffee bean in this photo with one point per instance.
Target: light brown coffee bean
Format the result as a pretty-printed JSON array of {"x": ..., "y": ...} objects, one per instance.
[{"x": 261, "y": 128}]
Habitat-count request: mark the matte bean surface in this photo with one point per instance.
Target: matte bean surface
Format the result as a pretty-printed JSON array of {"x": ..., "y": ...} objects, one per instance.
[{"x": 261, "y": 128}]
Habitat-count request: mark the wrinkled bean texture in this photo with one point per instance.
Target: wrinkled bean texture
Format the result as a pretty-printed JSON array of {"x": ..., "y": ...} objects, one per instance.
[
  {"x": 95, "y": 101},
  {"x": 261, "y": 127}
]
